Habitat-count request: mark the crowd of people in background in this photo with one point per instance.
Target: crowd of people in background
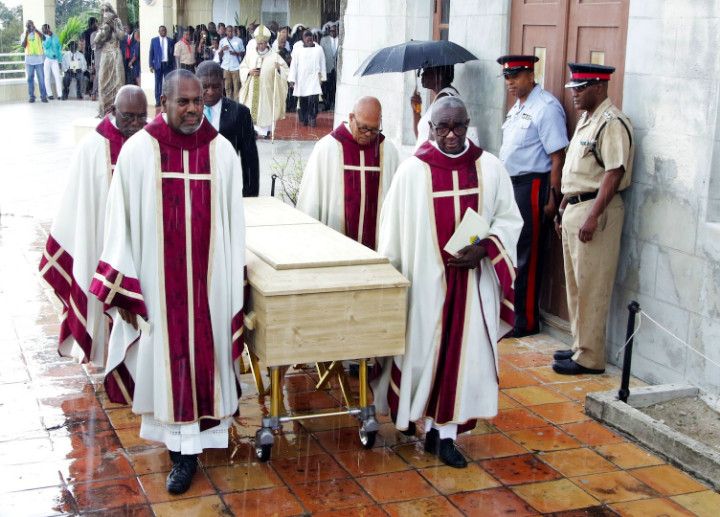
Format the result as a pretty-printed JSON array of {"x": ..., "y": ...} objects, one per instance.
[{"x": 314, "y": 51}]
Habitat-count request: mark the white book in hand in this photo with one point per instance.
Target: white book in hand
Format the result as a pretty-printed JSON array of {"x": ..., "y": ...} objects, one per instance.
[{"x": 472, "y": 228}]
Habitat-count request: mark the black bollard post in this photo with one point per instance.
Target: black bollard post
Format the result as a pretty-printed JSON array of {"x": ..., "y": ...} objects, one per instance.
[
  {"x": 624, "y": 393},
  {"x": 272, "y": 187}
]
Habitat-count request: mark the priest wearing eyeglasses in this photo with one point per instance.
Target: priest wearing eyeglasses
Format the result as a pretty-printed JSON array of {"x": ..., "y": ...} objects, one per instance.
[
  {"x": 459, "y": 305},
  {"x": 73, "y": 248},
  {"x": 348, "y": 174}
]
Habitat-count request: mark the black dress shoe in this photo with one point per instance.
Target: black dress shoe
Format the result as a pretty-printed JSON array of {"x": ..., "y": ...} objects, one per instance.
[
  {"x": 570, "y": 367},
  {"x": 412, "y": 428},
  {"x": 449, "y": 455},
  {"x": 517, "y": 333},
  {"x": 180, "y": 477},
  {"x": 559, "y": 355},
  {"x": 313, "y": 123},
  {"x": 431, "y": 441},
  {"x": 51, "y": 97}
]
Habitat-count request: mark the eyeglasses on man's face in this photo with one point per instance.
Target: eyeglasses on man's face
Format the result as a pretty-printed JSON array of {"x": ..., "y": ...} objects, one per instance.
[
  {"x": 457, "y": 129},
  {"x": 131, "y": 117},
  {"x": 372, "y": 130}
]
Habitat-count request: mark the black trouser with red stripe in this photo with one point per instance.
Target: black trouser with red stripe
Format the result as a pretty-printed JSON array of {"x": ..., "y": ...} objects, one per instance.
[{"x": 531, "y": 195}]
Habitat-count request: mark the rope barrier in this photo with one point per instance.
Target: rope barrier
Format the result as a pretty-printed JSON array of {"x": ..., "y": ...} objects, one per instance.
[{"x": 637, "y": 329}]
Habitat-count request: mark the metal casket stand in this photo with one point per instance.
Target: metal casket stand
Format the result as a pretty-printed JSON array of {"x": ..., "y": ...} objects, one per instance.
[{"x": 316, "y": 296}]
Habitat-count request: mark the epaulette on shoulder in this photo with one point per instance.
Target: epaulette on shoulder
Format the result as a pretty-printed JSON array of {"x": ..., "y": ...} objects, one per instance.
[{"x": 545, "y": 98}]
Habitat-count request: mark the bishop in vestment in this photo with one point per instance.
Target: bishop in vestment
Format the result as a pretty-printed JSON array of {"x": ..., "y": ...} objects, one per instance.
[
  {"x": 172, "y": 268},
  {"x": 458, "y": 306},
  {"x": 76, "y": 237},
  {"x": 348, "y": 174},
  {"x": 264, "y": 83}
]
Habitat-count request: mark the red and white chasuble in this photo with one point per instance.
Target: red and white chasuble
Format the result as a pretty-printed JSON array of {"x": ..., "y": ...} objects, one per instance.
[
  {"x": 455, "y": 316},
  {"x": 175, "y": 255},
  {"x": 344, "y": 184},
  {"x": 75, "y": 242}
]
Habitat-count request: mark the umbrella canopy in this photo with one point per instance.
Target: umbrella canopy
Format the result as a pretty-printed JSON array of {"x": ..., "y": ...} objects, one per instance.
[{"x": 414, "y": 55}]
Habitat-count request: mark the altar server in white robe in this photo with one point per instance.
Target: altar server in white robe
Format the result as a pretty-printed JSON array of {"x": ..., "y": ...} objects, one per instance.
[
  {"x": 76, "y": 237},
  {"x": 263, "y": 74},
  {"x": 307, "y": 73},
  {"x": 349, "y": 173},
  {"x": 172, "y": 269},
  {"x": 458, "y": 306}
]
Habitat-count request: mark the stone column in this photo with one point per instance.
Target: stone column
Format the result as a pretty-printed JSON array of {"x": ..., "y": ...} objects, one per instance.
[
  {"x": 40, "y": 12},
  {"x": 153, "y": 14}
]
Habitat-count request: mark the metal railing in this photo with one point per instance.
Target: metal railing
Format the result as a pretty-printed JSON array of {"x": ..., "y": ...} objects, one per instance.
[{"x": 12, "y": 66}]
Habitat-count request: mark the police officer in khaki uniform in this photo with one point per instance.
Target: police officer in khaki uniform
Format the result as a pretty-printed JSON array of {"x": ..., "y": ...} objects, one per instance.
[{"x": 598, "y": 166}]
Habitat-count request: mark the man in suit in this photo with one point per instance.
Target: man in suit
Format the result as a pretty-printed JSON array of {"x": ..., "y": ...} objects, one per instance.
[
  {"x": 161, "y": 60},
  {"x": 330, "y": 45},
  {"x": 126, "y": 50},
  {"x": 233, "y": 121}
]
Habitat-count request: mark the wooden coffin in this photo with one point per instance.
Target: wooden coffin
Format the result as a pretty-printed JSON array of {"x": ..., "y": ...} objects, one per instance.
[{"x": 316, "y": 295}]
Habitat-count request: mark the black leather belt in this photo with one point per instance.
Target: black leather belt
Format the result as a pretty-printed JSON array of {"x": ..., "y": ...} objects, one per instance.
[{"x": 585, "y": 196}]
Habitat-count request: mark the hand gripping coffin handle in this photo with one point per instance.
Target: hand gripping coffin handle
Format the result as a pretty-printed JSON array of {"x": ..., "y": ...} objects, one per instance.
[{"x": 249, "y": 320}]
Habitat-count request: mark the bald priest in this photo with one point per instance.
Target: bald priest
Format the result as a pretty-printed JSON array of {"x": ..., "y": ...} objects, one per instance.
[{"x": 348, "y": 174}]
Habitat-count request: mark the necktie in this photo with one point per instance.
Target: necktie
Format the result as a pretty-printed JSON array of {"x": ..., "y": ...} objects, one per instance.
[
  {"x": 127, "y": 48},
  {"x": 208, "y": 113}
]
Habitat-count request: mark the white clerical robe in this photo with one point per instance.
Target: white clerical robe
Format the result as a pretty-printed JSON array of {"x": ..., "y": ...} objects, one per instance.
[
  {"x": 307, "y": 69},
  {"x": 265, "y": 94},
  {"x": 174, "y": 255},
  {"x": 324, "y": 193},
  {"x": 75, "y": 242},
  {"x": 409, "y": 237}
]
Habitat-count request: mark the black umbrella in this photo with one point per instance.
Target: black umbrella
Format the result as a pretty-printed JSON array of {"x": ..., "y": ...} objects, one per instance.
[{"x": 414, "y": 55}]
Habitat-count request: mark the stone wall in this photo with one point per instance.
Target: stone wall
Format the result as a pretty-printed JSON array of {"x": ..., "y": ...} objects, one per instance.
[
  {"x": 481, "y": 27},
  {"x": 670, "y": 255},
  {"x": 484, "y": 29}
]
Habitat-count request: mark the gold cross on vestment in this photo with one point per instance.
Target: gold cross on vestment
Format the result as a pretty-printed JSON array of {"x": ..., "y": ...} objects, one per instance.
[
  {"x": 52, "y": 262},
  {"x": 115, "y": 288},
  {"x": 187, "y": 177},
  {"x": 455, "y": 193},
  {"x": 362, "y": 169}
]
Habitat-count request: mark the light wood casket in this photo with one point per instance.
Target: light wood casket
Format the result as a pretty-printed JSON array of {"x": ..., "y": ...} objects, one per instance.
[{"x": 316, "y": 295}]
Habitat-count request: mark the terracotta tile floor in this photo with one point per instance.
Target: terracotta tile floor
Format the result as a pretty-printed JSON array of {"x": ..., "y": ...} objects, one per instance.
[{"x": 66, "y": 450}]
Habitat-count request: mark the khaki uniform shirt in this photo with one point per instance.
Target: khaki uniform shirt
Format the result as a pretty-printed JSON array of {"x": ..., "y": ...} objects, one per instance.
[
  {"x": 184, "y": 54},
  {"x": 581, "y": 172}
]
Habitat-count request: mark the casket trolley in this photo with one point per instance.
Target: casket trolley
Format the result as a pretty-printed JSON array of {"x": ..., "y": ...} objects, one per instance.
[{"x": 316, "y": 296}]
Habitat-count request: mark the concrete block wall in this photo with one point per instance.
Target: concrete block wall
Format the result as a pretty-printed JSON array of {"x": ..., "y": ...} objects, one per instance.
[{"x": 670, "y": 254}]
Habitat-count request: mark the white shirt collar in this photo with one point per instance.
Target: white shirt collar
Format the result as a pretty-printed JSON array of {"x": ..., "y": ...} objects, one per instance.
[
  {"x": 467, "y": 146},
  {"x": 216, "y": 111}
]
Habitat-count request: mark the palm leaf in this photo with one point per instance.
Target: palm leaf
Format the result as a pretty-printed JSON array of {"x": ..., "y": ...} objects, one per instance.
[{"x": 72, "y": 30}]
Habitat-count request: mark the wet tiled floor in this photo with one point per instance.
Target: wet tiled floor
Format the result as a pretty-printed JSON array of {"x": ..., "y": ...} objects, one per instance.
[{"x": 66, "y": 450}]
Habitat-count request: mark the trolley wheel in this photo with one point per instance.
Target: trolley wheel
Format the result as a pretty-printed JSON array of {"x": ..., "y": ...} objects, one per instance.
[
  {"x": 263, "y": 452},
  {"x": 367, "y": 438}
]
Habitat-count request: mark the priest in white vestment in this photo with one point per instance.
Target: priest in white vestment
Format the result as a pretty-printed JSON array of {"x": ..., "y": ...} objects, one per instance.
[
  {"x": 307, "y": 72},
  {"x": 349, "y": 173},
  {"x": 458, "y": 306},
  {"x": 76, "y": 238},
  {"x": 172, "y": 269},
  {"x": 263, "y": 74}
]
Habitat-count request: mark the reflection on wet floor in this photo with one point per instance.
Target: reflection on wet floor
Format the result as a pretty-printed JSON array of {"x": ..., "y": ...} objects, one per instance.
[{"x": 66, "y": 450}]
